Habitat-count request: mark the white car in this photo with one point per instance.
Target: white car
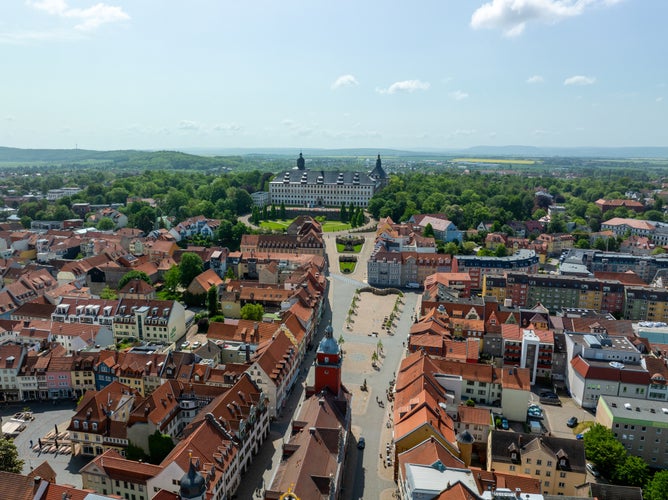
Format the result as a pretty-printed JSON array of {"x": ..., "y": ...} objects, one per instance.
[
  {"x": 196, "y": 345},
  {"x": 592, "y": 469}
]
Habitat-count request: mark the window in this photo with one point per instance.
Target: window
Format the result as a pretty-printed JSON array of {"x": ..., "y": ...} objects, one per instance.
[
  {"x": 528, "y": 460},
  {"x": 539, "y": 462},
  {"x": 538, "y": 472},
  {"x": 548, "y": 473},
  {"x": 549, "y": 463},
  {"x": 527, "y": 471},
  {"x": 562, "y": 474},
  {"x": 512, "y": 467},
  {"x": 561, "y": 485}
]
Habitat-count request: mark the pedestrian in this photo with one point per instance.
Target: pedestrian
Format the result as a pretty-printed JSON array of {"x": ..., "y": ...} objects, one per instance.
[{"x": 31, "y": 443}]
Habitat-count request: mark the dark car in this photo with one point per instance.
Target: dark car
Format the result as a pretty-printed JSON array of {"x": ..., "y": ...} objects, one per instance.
[
  {"x": 361, "y": 444},
  {"x": 549, "y": 400},
  {"x": 572, "y": 422}
]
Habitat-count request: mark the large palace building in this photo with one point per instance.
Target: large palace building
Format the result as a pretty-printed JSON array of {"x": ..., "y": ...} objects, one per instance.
[{"x": 321, "y": 188}]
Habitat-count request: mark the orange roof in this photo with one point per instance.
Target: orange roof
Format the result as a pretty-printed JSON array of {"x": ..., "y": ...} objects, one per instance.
[{"x": 428, "y": 452}]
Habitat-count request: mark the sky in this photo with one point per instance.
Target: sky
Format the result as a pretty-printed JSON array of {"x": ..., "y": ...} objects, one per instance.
[{"x": 437, "y": 74}]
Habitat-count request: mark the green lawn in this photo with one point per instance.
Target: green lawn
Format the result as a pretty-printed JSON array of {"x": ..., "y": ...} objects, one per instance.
[
  {"x": 347, "y": 267},
  {"x": 341, "y": 248},
  {"x": 282, "y": 224},
  {"x": 331, "y": 226},
  {"x": 276, "y": 225}
]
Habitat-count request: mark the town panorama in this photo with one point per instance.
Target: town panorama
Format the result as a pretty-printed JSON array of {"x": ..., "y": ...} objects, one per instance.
[{"x": 322, "y": 325}]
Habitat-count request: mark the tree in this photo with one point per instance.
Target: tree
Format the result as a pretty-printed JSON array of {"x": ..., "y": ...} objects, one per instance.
[
  {"x": 108, "y": 294},
  {"x": 631, "y": 472},
  {"x": 379, "y": 346},
  {"x": 282, "y": 214},
  {"x": 341, "y": 340},
  {"x": 133, "y": 275},
  {"x": 212, "y": 301},
  {"x": 451, "y": 248},
  {"x": 105, "y": 224},
  {"x": 191, "y": 265},
  {"x": 159, "y": 446},
  {"x": 172, "y": 279},
  {"x": 428, "y": 231},
  {"x": 9, "y": 457},
  {"x": 374, "y": 357},
  {"x": 657, "y": 487},
  {"x": 343, "y": 213},
  {"x": 500, "y": 251},
  {"x": 252, "y": 311},
  {"x": 602, "y": 448}
]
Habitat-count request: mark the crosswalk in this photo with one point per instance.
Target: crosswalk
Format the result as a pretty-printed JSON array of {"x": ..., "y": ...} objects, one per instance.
[{"x": 348, "y": 280}]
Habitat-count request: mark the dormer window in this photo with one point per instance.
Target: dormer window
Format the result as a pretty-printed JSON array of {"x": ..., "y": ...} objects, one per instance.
[
  {"x": 85, "y": 426},
  {"x": 513, "y": 456},
  {"x": 76, "y": 424},
  {"x": 94, "y": 426}
]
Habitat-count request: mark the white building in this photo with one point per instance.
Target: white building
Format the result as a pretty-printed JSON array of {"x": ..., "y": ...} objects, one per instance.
[{"x": 320, "y": 188}]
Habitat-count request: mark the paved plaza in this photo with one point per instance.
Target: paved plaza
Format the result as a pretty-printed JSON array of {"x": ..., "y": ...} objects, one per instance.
[{"x": 48, "y": 417}]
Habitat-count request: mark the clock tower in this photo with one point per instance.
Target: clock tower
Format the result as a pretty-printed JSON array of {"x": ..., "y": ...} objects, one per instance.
[{"x": 328, "y": 364}]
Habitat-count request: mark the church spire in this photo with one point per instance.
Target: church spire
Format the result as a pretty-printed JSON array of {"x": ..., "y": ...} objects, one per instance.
[{"x": 301, "y": 163}]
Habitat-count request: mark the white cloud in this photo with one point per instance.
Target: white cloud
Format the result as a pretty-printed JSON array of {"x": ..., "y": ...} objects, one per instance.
[
  {"x": 459, "y": 95},
  {"x": 408, "y": 86},
  {"x": 88, "y": 18},
  {"x": 535, "y": 79},
  {"x": 226, "y": 127},
  {"x": 345, "y": 81},
  {"x": 465, "y": 131},
  {"x": 580, "y": 80},
  {"x": 512, "y": 16},
  {"x": 188, "y": 125},
  {"x": 659, "y": 99}
]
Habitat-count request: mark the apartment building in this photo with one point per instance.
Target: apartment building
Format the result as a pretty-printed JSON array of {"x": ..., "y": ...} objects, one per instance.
[
  {"x": 640, "y": 425},
  {"x": 558, "y": 462}
]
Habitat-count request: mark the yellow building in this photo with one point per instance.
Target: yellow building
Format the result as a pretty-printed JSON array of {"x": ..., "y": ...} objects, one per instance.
[{"x": 558, "y": 462}]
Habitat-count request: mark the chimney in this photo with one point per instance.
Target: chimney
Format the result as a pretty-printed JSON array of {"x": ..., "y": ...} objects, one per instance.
[
  {"x": 256, "y": 332},
  {"x": 248, "y": 353},
  {"x": 37, "y": 480},
  {"x": 311, "y": 431}
]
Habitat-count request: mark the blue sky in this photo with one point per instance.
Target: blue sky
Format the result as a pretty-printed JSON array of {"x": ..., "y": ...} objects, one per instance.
[{"x": 107, "y": 74}]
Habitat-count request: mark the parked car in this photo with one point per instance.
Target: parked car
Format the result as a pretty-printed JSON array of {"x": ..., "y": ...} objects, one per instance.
[
  {"x": 548, "y": 400},
  {"x": 361, "y": 443},
  {"x": 504, "y": 424},
  {"x": 535, "y": 412},
  {"x": 593, "y": 470},
  {"x": 572, "y": 422},
  {"x": 185, "y": 344},
  {"x": 196, "y": 345}
]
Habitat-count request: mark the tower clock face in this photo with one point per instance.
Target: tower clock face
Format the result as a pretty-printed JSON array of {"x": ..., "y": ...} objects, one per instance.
[{"x": 326, "y": 359}]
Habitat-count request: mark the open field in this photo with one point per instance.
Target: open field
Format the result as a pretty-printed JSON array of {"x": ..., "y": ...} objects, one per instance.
[
  {"x": 493, "y": 160},
  {"x": 282, "y": 224}
]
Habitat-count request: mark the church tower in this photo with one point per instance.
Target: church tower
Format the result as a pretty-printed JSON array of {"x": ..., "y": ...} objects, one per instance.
[
  {"x": 301, "y": 163},
  {"x": 192, "y": 485},
  {"x": 328, "y": 364},
  {"x": 378, "y": 174}
]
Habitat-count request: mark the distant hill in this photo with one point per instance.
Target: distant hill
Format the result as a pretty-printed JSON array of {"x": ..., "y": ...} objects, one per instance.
[
  {"x": 121, "y": 158},
  {"x": 202, "y": 158}
]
